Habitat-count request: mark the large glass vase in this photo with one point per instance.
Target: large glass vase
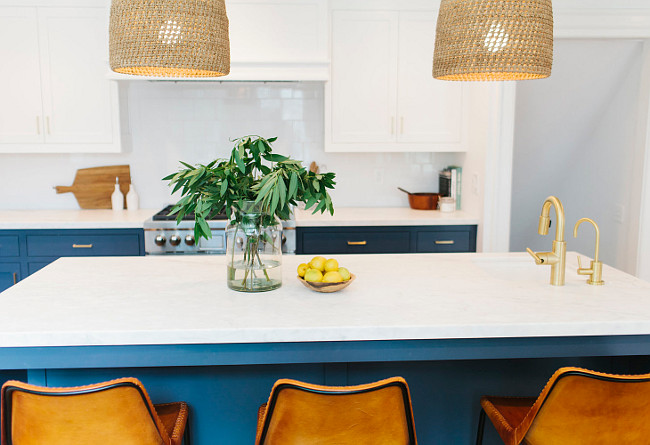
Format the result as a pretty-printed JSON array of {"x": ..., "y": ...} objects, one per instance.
[{"x": 254, "y": 250}]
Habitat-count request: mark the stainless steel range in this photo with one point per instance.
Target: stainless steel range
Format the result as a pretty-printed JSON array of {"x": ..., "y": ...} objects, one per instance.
[{"x": 162, "y": 235}]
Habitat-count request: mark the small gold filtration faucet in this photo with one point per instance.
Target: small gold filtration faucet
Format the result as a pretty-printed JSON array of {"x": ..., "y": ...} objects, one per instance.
[
  {"x": 595, "y": 271},
  {"x": 557, "y": 257}
]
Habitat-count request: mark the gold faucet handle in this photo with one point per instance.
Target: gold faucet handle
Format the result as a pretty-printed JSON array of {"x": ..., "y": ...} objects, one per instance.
[
  {"x": 585, "y": 271},
  {"x": 538, "y": 260}
]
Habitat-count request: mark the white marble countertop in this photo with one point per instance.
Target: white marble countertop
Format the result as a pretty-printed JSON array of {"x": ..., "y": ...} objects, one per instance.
[
  {"x": 184, "y": 300},
  {"x": 73, "y": 219},
  {"x": 381, "y": 216},
  {"x": 343, "y": 216}
]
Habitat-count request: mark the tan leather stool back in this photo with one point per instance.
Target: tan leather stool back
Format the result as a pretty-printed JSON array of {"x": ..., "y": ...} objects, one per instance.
[
  {"x": 587, "y": 407},
  {"x": 577, "y": 406},
  {"x": 115, "y": 412},
  {"x": 301, "y": 413}
]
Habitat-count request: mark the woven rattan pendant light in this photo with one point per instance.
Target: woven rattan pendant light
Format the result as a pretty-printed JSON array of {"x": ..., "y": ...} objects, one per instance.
[
  {"x": 493, "y": 40},
  {"x": 169, "y": 38}
]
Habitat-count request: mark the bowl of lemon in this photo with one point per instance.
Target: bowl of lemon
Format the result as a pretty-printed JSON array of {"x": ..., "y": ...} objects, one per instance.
[{"x": 324, "y": 275}]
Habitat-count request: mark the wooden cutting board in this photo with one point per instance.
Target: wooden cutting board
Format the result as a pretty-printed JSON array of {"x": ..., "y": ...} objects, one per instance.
[{"x": 93, "y": 186}]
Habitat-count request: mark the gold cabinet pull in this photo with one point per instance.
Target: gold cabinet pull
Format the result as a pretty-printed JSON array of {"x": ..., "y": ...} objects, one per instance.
[
  {"x": 447, "y": 242},
  {"x": 15, "y": 277},
  {"x": 47, "y": 122},
  {"x": 356, "y": 243},
  {"x": 82, "y": 246}
]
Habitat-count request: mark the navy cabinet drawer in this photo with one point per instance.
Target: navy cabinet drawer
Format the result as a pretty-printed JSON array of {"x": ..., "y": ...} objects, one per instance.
[
  {"x": 355, "y": 242},
  {"x": 82, "y": 245},
  {"x": 35, "y": 266},
  {"x": 443, "y": 241},
  {"x": 9, "y": 245},
  {"x": 9, "y": 275}
]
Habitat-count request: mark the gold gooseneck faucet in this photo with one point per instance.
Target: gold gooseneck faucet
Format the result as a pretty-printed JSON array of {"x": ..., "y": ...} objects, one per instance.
[
  {"x": 557, "y": 257},
  {"x": 595, "y": 271}
]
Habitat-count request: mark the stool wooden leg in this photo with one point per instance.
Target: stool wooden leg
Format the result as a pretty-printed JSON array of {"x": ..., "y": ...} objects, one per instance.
[{"x": 481, "y": 426}]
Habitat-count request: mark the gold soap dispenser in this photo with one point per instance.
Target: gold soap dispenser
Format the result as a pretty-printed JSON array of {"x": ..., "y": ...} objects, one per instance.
[{"x": 595, "y": 272}]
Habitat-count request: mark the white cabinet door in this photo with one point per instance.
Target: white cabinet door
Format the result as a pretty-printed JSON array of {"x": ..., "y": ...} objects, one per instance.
[
  {"x": 364, "y": 77},
  {"x": 429, "y": 110},
  {"x": 382, "y": 96},
  {"x": 76, "y": 95},
  {"x": 20, "y": 83}
]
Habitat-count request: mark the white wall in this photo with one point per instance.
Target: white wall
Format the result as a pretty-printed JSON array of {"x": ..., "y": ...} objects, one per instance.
[
  {"x": 165, "y": 122},
  {"x": 575, "y": 138}
]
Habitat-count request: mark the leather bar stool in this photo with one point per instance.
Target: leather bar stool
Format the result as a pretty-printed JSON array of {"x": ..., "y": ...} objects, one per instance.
[
  {"x": 302, "y": 413},
  {"x": 115, "y": 412},
  {"x": 577, "y": 406}
]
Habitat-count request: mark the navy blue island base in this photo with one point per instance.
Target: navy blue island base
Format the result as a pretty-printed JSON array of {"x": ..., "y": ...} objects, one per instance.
[{"x": 224, "y": 384}]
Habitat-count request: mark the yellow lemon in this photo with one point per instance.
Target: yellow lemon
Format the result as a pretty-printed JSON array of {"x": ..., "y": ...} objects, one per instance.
[
  {"x": 302, "y": 269},
  {"x": 345, "y": 274},
  {"x": 332, "y": 277},
  {"x": 318, "y": 262},
  {"x": 331, "y": 265},
  {"x": 313, "y": 275}
]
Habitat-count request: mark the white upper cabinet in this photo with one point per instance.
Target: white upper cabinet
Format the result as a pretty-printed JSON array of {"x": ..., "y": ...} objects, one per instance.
[
  {"x": 429, "y": 110},
  {"x": 364, "y": 76},
  {"x": 20, "y": 81},
  {"x": 56, "y": 97},
  {"x": 382, "y": 96}
]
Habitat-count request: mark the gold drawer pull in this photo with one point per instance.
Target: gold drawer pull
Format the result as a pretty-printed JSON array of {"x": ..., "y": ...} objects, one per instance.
[
  {"x": 82, "y": 246},
  {"x": 15, "y": 277},
  {"x": 449, "y": 241},
  {"x": 356, "y": 243}
]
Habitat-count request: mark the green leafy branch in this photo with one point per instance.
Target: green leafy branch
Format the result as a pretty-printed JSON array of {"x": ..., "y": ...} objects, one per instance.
[{"x": 251, "y": 173}]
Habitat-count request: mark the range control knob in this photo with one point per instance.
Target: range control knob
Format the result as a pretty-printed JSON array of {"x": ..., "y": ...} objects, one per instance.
[
  {"x": 174, "y": 240},
  {"x": 189, "y": 240},
  {"x": 160, "y": 240}
]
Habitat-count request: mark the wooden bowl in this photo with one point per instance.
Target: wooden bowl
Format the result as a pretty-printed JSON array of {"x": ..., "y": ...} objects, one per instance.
[{"x": 327, "y": 287}]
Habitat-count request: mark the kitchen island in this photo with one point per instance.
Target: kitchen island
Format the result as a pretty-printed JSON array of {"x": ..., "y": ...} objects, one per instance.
[{"x": 454, "y": 325}]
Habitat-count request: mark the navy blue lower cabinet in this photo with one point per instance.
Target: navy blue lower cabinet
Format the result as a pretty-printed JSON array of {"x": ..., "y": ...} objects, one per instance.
[
  {"x": 83, "y": 244},
  {"x": 9, "y": 275},
  {"x": 449, "y": 239},
  {"x": 23, "y": 252},
  {"x": 356, "y": 241},
  {"x": 385, "y": 239},
  {"x": 9, "y": 246}
]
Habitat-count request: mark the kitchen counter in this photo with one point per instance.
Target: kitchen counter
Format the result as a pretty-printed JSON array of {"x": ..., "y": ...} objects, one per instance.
[
  {"x": 454, "y": 325},
  {"x": 73, "y": 219},
  {"x": 184, "y": 300},
  {"x": 382, "y": 216},
  {"x": 343, "y": 216}
]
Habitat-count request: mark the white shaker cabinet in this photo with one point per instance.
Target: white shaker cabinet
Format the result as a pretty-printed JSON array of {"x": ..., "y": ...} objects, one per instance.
[
  {"x": 364, "y": 77},
  {"x": 21, "y": 111},
  {"x": 382, "y": 96},
  {"x": 56, "y": 97}
]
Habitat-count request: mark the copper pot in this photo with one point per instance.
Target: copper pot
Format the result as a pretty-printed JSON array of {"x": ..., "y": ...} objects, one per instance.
[{"x": 422, "y": 201}]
